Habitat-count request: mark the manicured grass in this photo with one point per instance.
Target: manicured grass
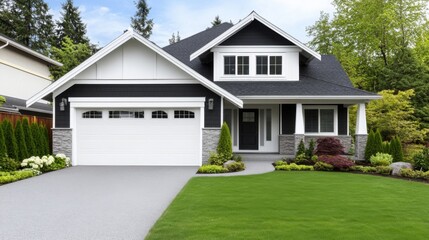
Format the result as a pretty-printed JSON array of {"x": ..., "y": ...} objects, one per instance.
[{"x": 297, "y": 205}]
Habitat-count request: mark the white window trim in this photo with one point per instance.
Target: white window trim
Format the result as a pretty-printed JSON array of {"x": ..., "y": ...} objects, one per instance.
[
  {"x": 269, "y": 65},
  {"x": 318, "y": 107}
]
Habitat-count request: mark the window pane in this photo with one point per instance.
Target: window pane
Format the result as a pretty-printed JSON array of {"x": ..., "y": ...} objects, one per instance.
[
  {"x": 183, "y": 114},
  {"x": 229, "y": 65},
  {"x": 262, "y": 129},
  {"x": 243, "y": 65},
  {"x": 248, "y": 117},
  {"x": 275, "y": 65},
  {"x": 311, "y": 120},
  {"x": 326, "y": 120},
  {"x": 261, "y": 65},
  {"x": 159, "y": 114},
  {"x": 268, "y": 124},
  {"x": 92, "y": 114}
]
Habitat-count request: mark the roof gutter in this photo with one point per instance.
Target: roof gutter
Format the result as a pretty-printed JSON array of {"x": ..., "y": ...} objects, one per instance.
[{"x": 7, "y": 43}]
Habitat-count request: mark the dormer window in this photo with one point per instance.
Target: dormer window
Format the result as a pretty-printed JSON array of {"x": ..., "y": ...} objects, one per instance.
[
  {"x": 275, "y": 63},
  {"x": 241, "y": 68}
]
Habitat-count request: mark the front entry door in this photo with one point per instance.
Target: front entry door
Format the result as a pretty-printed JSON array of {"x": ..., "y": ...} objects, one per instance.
[{"x": 248, "y": 129}]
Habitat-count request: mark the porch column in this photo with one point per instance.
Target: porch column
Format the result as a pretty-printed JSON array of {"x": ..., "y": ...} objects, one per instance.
[
  {"x": 299, "y": 125},
  {"x": 361, "y": 135}
]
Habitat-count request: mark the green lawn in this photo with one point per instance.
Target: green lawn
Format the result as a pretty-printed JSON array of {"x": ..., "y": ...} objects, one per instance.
[{"x": 297, "y": 205}]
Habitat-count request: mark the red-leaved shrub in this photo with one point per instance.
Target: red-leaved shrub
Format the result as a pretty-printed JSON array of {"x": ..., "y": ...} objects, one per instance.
[
  {"x": 329, "y": 146},
  {"x": 339, "y": 162}
]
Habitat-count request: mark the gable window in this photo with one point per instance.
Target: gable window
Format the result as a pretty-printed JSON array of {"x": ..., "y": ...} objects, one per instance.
[
  {"x": 320, "y": 120},
  {"x": 183, "y": 114},
  {"x": 243, "y": 65},
  {"x": 159, "y": 114},
  {"x": 92, "y": 114},
  {"x": 275, "y": 65},
  {"x": 229, "y": 65},
  {"x": 126, "y": 114}
]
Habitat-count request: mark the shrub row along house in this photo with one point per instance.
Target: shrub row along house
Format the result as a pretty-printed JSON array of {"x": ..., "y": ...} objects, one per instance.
[{"x": 134, "y": 103}]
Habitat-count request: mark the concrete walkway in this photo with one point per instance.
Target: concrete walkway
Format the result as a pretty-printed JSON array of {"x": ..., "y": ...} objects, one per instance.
[
  {"x": 89, "y": 202},
  {"x": 255, "y": 164}
]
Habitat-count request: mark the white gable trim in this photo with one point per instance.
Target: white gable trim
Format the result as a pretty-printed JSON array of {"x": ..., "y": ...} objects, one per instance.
[
  {"x": 114, "y": 45},
  {"x": 243, "y": 23}
]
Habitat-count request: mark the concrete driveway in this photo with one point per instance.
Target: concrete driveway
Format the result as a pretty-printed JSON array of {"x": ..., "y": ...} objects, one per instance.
[{"x": 89, "y": 202}]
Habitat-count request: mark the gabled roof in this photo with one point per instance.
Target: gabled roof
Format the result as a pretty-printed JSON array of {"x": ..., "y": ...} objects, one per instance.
[
  {"x": 127, "y": 35},
  {"x": 9, "y": 42},
  {"x": 16, "y": 104},
  {"x": 243, "y": 23}
]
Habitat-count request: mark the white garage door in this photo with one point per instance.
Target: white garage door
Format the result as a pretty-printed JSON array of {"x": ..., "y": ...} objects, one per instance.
[{"x": 138, "y": 136}]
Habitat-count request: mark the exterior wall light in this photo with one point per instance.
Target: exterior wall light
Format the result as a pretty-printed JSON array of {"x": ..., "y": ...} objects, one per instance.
[
  {"x": 211, "y": 102},
  {"x": 63, "y": 104}
]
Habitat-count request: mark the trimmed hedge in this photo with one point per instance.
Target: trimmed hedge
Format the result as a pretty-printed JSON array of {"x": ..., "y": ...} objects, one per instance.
[
  {"x": 8, "y": 177},
  {"x": 29, "y": 140},
  {"x": 294, "y": 167},
  {"x": 212, "y": 169},
  {"x": 3, "y": 148},
  {"x": 20, "y": 141}
]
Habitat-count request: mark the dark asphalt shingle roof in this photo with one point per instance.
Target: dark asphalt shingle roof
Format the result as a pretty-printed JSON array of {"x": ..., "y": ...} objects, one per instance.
[
  {"x": 322, "y": 78},
  {"x": 12, "y": 102}
]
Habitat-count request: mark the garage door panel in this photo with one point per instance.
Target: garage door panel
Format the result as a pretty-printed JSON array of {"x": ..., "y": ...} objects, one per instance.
[{"x": 145, "y": 141}]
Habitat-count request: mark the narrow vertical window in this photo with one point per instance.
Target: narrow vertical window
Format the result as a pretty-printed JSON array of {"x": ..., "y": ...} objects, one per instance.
[
  {"x": 261, "y": 65},
  {"x": 229, "y": 65},
  {"x": 243, "y": 65},
  {"x": 275, "y": 65},
  {"x": 268, "y": 125},
  {"x": 262, "y": 129},
  {"x": 235, "y": 127}
]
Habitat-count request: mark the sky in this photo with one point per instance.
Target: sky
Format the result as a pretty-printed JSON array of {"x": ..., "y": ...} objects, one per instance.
[{"x": 107, "y": 19}]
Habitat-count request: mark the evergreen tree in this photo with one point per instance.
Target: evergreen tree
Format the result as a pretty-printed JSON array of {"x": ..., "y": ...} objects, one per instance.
[
  {"x": 21, "y": 141},
  {"x": 301, "y": 148},
  {"x": 28, "y": 22},
  {"x": 29, "y": 140},
  {"x": 310, "y": 150},
  {"x": 174, "y": 38},
  {"x": 140, "y": 21},
  {"x": 369, "y": 149},
  {"x": 46, "y": 138},
  {"x": 3, "y": 148},
  {"x": 216, "y": 21},
  {"x": 44, "y": 142},
  {"x": 386, "y": 147},
  {"x": 378, "y": 142},
  {"x": 224, "y": 146},
  {"x": 396, "y": 150},
  {"x": 71, "y": 25},
  {"x": 10, "y": 140},
  {"x": 38, "y": 143}
]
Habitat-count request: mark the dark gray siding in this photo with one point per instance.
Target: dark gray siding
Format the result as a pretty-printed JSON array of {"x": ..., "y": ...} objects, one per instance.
[
  {"x": 288, "y": 118},
  {"x": 256, "y": 34},
  {"x": 342, "y": 120},
  {"x": 212, "y": 117}
]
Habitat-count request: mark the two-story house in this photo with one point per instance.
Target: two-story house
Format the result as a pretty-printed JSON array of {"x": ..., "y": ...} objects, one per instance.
[
  {"x": 23, "y": 73},
  {"x": 134, "y": 103}
]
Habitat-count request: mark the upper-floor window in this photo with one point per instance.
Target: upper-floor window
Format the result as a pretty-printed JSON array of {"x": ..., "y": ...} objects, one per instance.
[
  {"x": 274, "y": 62},
  {"x": 236, "y": 65}
]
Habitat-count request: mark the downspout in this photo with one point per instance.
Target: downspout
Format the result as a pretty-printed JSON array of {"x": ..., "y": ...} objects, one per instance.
[{"x": 7, "y": 43}]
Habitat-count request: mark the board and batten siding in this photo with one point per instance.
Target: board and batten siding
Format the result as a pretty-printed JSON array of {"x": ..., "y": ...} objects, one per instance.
[
  {"x": 212, "y": 117},
  {"x": 289, "y": 116}
]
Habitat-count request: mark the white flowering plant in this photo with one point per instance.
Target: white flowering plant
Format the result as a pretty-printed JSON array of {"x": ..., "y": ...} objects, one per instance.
[{"x": 46, "y": 163}]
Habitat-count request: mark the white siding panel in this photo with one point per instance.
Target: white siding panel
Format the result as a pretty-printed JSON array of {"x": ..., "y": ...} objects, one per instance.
[
  {"x": 89, "y": 73},
  {"x": 166, "y": 70},
  {"x": 292, "y": 65},
  {"x": 139, "y": 61},
  {"x": 111, "y": 66}
]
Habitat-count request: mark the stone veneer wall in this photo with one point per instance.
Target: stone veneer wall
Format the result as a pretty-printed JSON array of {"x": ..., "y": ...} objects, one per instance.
[
  {"x": 210, "y": 141},
  {"x": 287, "y": 144},
  {"x": 360, "y": 145},
  {"x": 62, "y": 141}
]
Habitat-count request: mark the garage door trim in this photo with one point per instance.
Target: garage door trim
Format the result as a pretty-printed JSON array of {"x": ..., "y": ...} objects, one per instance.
[{"x": 142, "y": 102}]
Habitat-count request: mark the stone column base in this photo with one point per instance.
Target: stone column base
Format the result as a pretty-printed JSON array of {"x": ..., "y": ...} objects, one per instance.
[
  {"x": 210, "y": 141},
  {"x": 62, "y": 141},
  {"x": 360, "y": 145}
]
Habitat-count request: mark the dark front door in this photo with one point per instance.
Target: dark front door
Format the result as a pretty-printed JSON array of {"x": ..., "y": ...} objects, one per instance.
[{"x": 248, "y": 129}]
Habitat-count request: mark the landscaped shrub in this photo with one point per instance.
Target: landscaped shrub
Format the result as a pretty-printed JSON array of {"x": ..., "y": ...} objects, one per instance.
[
  {"x": 10, "y": 140},
  {"x": 310, "y": 150},
  {"x": 421, "y": 160},
  {"x": 212, "y": 169},
  {"x": 426, "y": 175},
  {"x": 409, "y": 173},
  {"x": 31, "y": 148},
  {"x": 20, "y": 140},
  {"x": 3, "y": 149},
  {"x": 381, "y": 159},
  {"x": 386, "y": 147},
  {"x": 301, "y": 159},
  {"x": 235, "y": 167},
  {"x": 60, "y": 162},
  {"x": 321, "y": 166},
  {"x": 396, "y": 150},
  {"x": 378, "y": 142},
  {"x": 301, "y": 149},
  {"x": 216, "y": 159},
  {"x": 314, "y": 158},
  {"x": 294, "y": 167},
  {"x": 8, "y": 177},
  {"x": 224, "y": 147},
  {"x": 44, "y": 139},
  {"x": 46, "y": 163},
  {"x": 37, "y": 138},
  {"x": 385, "y": 170},
  {"x": 280, "y": 163},
  {"x": 329, "y": 146},
  {"x": 8, "y": 164},
  {"x": 364, "y": 169},
  {"x": 237, "y": 158},
  {"x": 369, "y": 148},
  {"x": 339, "y": 162}
]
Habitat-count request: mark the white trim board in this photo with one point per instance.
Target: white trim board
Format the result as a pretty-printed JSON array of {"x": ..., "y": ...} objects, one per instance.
[
  {"x": 118, "y": 102},
  {"x": 243, "y": 23},
  {"x": 126, "y": 36}
]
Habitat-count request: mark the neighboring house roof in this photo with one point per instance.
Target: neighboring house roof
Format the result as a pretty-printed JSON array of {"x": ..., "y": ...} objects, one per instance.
[
  {"x": 127, "y": 35},
  {"x": 242, "y": 24},
  {"x": 15, "y": 105},
  {"x": 10, "y": 42}
]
